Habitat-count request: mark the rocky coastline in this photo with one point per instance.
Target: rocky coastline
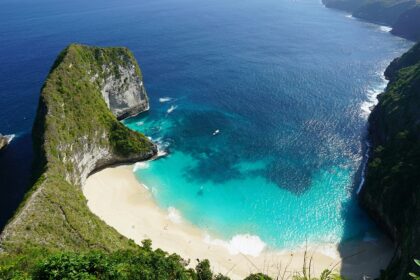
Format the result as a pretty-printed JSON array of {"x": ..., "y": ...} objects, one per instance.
[
  {"x": 391, "y": 190},
  {"x": 403, "y": 16},
  {"x": 75, "y": 133}
]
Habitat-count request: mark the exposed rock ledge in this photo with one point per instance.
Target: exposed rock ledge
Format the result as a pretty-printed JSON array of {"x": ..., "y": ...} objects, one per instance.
[
  {"x": 3, "y": 141},
  {"x": 76, "y": 132}
]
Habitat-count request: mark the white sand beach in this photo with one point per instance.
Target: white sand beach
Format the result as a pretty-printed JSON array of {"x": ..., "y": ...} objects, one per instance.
[{"x": 115, "y": 195}]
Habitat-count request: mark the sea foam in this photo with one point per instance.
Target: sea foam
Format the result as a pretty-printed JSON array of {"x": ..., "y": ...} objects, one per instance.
[
  {"x": 140, "y": 165},
  {"x": 164, "y": 99},
  {"x": 10, "y": 137},
  {"x": 171, "y": 109},
  {"x": 384, "y": 28},
  {"x": 328, "y": 250},
  {"x": 372, "y": 97},
  {"x": 174, "y": 215},
  {"x": 246, "y": 244}
]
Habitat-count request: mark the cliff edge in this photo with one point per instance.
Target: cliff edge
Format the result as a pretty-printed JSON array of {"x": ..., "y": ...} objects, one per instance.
[
  {"x": 76, "y": 132},
  {"x": 391, "y": 193},
  {"x": 3, "y": 141},
  {"x": 402, "y": 15}
]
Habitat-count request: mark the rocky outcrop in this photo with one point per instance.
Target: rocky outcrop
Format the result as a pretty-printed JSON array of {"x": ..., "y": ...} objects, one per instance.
[
  {"x": 401, "y": 15},
  {"x": 124, "y": 92},
  {"x": 76, "y": 132},
  {"x": 391, "y": 193},
  {"x": 408, "y": 24},
  {"x": 3, "y": 141}
]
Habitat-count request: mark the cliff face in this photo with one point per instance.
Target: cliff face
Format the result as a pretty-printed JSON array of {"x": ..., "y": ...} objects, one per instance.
[
  {"x": 3, "y": 141},
  {"x": 408, "y": 24},
  {"x": 76, "y": 131},
  {"x": 123, "y": 89},
  {"x": 401, "y": 15},
  {"x": 391, "y": 193}
]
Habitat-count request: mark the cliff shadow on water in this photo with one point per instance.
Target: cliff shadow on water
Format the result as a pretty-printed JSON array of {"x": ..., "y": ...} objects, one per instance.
[
  {"x": 15, "y": 174},
  {"x": 390, "y": 189},
  {"x": 373, "y": 247}
]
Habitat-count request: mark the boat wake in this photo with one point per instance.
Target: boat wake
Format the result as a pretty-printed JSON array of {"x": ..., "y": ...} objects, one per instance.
[
  {"x": 171, "y": 109},
  {"x": 165, "y": 99}
]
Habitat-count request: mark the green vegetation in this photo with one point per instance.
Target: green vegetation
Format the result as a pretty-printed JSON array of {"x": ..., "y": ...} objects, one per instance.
[
  {"x": 53, "y": 235},
  {"x": 412, "y": 274},
  {"x": 402, "y": 15},
  {"x": 137, "y": 263},
  {"x": 72, "y": 122},
  {"x": 258, "y": 276},
  {"x": 306, "y": 274},
  {"x": 392, "y": 188}
]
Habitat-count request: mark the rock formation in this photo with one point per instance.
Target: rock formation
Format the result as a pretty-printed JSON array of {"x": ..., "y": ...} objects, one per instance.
[
  {"x": 3, "y": 141},
  {"x": 76, "y": 132},
  {"x": 391, "y": 193},
  {"x": 402, "y": 15}
]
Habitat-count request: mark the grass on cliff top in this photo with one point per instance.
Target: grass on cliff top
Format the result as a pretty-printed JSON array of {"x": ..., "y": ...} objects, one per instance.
[
  {"x": 71, "y": 115},
  {"x": 76, "y": 108}
]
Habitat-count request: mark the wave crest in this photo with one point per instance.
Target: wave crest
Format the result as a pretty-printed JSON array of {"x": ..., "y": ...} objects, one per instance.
[
  {"x": 174, "y": 215},
  {"x": 140, "y": 165},
  {"x": 171, "y": 109},
  {"x": 246, "y": 244},
  {"x": 165, "y": 99}
]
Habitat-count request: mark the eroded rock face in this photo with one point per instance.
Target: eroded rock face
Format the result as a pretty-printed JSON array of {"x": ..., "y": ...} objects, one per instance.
[
  {"x": 76, "y": 132},
  {"x": 3, "y": 141},
  {"x": 125, "y": 95}
]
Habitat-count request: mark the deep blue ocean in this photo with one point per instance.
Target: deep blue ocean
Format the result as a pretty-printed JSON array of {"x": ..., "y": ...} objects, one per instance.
[{"x": 260, "y": 105}]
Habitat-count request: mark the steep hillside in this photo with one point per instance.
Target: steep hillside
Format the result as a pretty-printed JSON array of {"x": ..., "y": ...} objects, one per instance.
[
  {"x": 391, "y": 193},
  {"x": 402, "y": 15},
  {"x": 74, "y": 134}
]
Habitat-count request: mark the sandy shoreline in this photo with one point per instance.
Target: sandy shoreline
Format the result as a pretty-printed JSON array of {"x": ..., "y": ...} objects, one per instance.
[{"x": 115, "y": 195}]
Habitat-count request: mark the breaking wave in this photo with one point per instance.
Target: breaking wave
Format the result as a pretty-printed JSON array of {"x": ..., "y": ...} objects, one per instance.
[{"x": 246, "y": 244}]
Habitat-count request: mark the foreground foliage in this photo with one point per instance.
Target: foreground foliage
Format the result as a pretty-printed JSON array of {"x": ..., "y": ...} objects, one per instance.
[{"x": 138, "y": 263}]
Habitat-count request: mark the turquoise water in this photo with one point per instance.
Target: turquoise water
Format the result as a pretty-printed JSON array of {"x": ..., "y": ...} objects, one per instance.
[
  {"x": 263, "y": 120},
  {"x": 286, "y": 83}
]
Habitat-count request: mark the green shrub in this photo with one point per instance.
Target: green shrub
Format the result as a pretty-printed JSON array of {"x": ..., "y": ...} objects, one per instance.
[
  {"x": 258, "y": 276},
  {"x": 203, "y": 270}
]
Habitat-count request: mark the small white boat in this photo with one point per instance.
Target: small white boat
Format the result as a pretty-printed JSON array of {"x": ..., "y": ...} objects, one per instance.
[{"x": 216, "y": 132}]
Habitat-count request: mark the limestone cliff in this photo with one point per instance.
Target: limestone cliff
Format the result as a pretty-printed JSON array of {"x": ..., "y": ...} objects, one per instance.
[
  {"x": 391, "y": 193},
  {"x": 3, "y": 141},
  {"x": 123, "y": 89},
  {"x": 76, "y": 132}
]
